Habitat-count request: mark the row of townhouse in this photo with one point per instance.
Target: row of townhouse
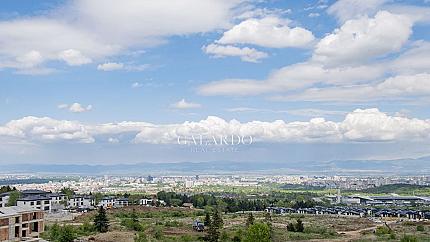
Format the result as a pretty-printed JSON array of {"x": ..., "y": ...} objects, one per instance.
[
  {"x": 113, "y": 202},
  {"x": 390, "y": 200},
  {"x": 38, "y": 199},
  {"x": 53, "y": 202},
  {"x": 355, "y": 211},
  {"x": 20, "y": 224}
]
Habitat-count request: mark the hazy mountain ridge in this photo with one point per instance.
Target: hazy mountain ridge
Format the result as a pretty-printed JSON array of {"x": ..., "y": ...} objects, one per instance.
[{"x": 399, "y": 166}]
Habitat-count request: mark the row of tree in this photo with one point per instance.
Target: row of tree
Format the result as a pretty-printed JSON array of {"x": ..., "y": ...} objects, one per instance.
[{"x": 230, "y": 204}]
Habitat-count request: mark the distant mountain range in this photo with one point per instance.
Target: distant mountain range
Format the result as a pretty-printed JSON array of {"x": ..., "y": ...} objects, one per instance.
[{"x": 419, "y": 166}]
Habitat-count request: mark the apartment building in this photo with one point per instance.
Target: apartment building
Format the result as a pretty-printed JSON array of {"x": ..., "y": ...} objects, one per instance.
[{"x": 20, "y": 224}]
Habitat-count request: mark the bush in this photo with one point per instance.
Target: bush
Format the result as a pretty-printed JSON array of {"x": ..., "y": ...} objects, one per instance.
[
  {"x": 258, "y": 232},
  {"x": 291, "y": 228},
  {"x": 298, "y": 227},
  {"x": 382, "y": 230},
  {"x": 420, "y": 227},
  {"x": 140, "y": 237},
  {"x": 408, "y": 238},
  {"x": 158, "y": 234}
]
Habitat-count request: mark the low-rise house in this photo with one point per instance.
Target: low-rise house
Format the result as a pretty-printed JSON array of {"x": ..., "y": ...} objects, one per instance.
[
  {"x": 81, "y": 201},
  {"x": 121, "y": 202},
  {"x": 107, "y": 202},
  {"x": 20, "y": 223},
  {"x": 187, "y": 205},
  {"x": 145, "y": 202},
  {"x": 40, "y": 202}
]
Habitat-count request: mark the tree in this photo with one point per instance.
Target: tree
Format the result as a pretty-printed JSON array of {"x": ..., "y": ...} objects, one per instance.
[
  {"x": 207, "y": 221},
  {"x": 13, "y": 196},
  {"x": 250, "y": 221},
  {"x": 4, "y": 189},
  {"x": 67, "y": 234},
  {"x": 101, "y": 222},
  {"x": 291, "y": 227},
  {"x": 299, "y": 226},
  {"x": 68, "y": 192},
  {"x": 54, "y": 232},
  {"x": 258, "y": 232},
  {"x": 268, "y": 220},
  {"x": 216, "y": 225}
]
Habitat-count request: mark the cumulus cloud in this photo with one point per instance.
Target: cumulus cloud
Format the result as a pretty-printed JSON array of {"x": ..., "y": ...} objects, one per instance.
[
  {"x": 182, "y": 104},
  {"x": 74, "y": 58},
  {"x": 110, "y": 66},
  {"x": 75, "y": 107},
  {"x": 271, "y": 31},
  {"x": 368, "y": 125},
  {"x": 46, "y": 130},
  {"x": 245, "y": 54},
  {"x": 81, "y": 31},
  {"x": 365, "y": 38}
]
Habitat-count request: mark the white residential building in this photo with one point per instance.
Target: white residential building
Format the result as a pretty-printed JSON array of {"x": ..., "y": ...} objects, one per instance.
[
  {"x": 36, "y": 202},
  {"x": 4, "y": 199}
]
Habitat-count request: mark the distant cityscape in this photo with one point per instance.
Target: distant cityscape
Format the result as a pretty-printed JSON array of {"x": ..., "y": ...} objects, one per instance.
[{"x": 153, "y": 184}]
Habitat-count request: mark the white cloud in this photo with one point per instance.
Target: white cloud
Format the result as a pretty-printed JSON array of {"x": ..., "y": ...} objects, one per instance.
[
  {"x": 136, "y": 85},
  {"x": 349, "y": 9},
  {"x": 75, "y": 107},
  {"x": 245, "y": 54},
  {"x": 113, "y": 140},
  {"x": 46, "y": 130},
  {"x": 114, "y": 66},
  {"x": 103, "y": 28},
  {"x": 269, "y": 31},
  {"x": 62, "y": 106},
  {"x": 293, "y": 77},
  {"x": 74, "y": 57},
  {"x": 365, "y": 38},
  {"x": 110, "y": 66},
  {"x": 305, "y": 112},
  {"x": 400, "y": 87},
  {"x": 415, "y": 60},
  {"x": 182, "y": 104},
  {"x": 313, "y": 15},
  {"x": 366, "y": 125}
]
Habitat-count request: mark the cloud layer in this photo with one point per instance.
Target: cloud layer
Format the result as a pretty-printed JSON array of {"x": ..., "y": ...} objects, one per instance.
[
  {"x": 361, "y": 125},
  {"x": 83, "y": 31}
]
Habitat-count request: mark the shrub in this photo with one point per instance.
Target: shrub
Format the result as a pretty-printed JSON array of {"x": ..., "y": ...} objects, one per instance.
[
  {"x": 420, "y": 227},
  {"x": 258, "y": 232},
  {"x": 382, "y": 230},
  {"x": 408, "y": 238},
  {"x": 291, "y": 228}
]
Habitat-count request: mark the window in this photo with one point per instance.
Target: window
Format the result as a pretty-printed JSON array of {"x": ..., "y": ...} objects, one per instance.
[
  {"x": 35, "y": 227},
  {"x": 17, "y": 220}
]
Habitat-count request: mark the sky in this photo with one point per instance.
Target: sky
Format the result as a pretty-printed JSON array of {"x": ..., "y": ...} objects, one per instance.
[{"x": 107, "y": 81}]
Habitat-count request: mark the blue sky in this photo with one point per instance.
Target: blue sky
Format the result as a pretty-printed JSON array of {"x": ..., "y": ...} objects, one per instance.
[{"x": 340, "y": 74}]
